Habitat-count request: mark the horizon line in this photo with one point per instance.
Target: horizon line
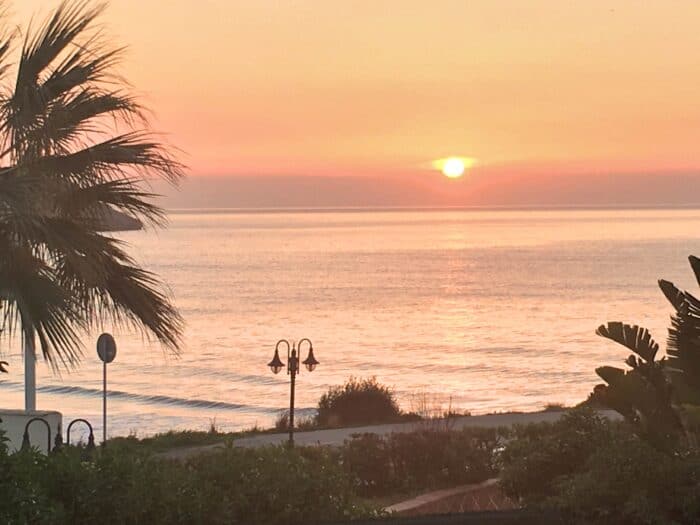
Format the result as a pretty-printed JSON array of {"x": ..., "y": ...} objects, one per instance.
[{"x": 493, "y": 207}]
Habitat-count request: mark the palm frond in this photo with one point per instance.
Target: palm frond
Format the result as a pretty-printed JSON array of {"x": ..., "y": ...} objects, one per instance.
[
  {"x": 31, "y": 295},
  {"x": 60, "y": 30},
  {"x": 69, "y": 120},
  {"x": 108, "y": 160},
  {"x": 15, "y": 192},
  {"x": 120, "y": 291},
  {"x": 7, "y": 38},
  {"x": 87, "y": 64},
  {"x": 59, "y": 275},
  {"x": 93, "y": 202},
  {"x": 39, "y": 83},
  {"x": 633, "y": 337}
]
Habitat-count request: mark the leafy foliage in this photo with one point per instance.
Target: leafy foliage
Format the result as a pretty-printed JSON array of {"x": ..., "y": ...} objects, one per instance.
[
  {"x": 357, "y": 402},
  {"x": 75, "y": 150},
  {"x": 267, "y": 486},
  {"x": 660, "y": 397},
  {"x": 626, "y": 480},
  {"x": 645, "y": 470},
  {"x": 592, "y": 470},
  {"x": 537, "y": 456},
  {"x": 421, "y": 460}
]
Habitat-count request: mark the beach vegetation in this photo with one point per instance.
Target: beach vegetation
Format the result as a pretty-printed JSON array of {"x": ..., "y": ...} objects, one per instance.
[
  {"x": 271, "y": 485},
  {"x": 426, "y": 459},
  {"x": 300, "y": 422},
  {"x": 170, "y": 440},
  {"x": 357, "y": 402},
  {"x": 592, "y": 470},
  {"x": 538, "y": 455},
  {"x": 425, "y": 406},
  {"x": 555, "y": 407},
  {"x": 644, "y": 469}
]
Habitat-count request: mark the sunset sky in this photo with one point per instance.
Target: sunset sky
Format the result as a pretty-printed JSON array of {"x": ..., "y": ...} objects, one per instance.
[{"x": 379, "y": 89}]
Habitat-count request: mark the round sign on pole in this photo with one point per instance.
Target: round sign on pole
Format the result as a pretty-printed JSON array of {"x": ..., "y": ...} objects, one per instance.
[{"x": 106, "y": 348}]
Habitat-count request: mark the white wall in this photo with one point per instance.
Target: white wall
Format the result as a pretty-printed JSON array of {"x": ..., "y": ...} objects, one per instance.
[{"x": 14, "y": 421}]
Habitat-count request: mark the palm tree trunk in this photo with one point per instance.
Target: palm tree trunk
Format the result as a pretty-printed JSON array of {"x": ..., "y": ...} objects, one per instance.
[{"x": 29, "y": 368}]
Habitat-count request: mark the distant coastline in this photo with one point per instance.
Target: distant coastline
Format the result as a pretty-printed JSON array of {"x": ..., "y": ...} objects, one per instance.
[{"x": 116, "y": 221}]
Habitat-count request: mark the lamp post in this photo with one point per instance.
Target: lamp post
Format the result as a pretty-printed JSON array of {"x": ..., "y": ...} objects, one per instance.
[{"x": 293, "y": 355}]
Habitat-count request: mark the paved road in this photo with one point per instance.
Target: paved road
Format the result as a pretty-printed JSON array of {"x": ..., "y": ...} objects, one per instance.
[{"x": 337, "y": 436}]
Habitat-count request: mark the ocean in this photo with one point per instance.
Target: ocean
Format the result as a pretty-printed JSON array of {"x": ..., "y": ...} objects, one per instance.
[{"x": 468, "y": 310}]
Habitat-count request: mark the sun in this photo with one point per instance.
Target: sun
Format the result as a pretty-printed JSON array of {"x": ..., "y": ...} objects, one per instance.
[{"x": 453, "y": 167}]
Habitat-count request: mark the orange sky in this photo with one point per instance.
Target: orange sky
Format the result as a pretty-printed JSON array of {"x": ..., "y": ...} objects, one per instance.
[{"x": 374, "y": 87}]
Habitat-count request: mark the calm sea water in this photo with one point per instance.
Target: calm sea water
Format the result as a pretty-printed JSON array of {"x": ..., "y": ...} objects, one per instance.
[{"x": 483, "y": 310}]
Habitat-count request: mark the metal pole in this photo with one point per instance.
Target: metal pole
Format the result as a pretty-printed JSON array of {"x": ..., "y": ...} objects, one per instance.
[
  {"x": 291, "y": 409},
  {"x": 104, "y": 404}
]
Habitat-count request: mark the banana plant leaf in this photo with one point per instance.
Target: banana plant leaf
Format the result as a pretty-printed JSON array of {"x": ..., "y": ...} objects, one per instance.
[{"x": 634, "y": 337}]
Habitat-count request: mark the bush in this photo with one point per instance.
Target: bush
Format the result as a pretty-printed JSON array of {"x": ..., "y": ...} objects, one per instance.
[
  {"x": 267, "y": 486},
  {"x": 592, "y": 470},
  {"x": 3, "y": 442},
  {"x": 357, "y": 402},
  {"x": 538, "y": 455},
  {"x": 628, "y": 481},
  {"x": 421, "y": 460},
  {"x": 367, "y": 459}
]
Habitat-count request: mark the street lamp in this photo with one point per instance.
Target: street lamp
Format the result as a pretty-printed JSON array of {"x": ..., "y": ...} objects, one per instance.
[{"x": 292, "y": 370}]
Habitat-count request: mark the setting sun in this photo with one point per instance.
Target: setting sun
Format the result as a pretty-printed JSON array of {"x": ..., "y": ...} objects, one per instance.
[{"x": 453, "y": 167}]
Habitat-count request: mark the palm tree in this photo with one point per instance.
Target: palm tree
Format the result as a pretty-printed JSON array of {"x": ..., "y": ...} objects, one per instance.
[{"x": 75, "y": 147}]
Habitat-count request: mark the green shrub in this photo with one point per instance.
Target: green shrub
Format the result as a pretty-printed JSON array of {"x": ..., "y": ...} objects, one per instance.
[
  {"x": 539, "y": 455},
  {"x": 629, "y": 481},
  {"x": 420, "y": 460},
  {"x": 22, "y": 498},
  {"x": 367, "y": 459},
  {"x": 267, "y": 486},
  {"x": 357, "y": 402},
  {"x": 3, "y": 442},
  {"x": 595, "y": 471}
]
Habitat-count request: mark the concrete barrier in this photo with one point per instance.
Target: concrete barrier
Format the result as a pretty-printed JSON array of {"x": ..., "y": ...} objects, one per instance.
[{"x": 13, "y": 422}]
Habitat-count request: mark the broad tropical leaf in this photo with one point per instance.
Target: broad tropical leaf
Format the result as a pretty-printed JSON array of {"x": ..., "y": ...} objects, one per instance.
[
  {"x": 633, "y": 337},
  {"x": 683, "y": 345},
  {"x": 610, "y": 374},
  {"x": 695, "y": 265},
  {"x": 673, "y": 294},
  {"x": 679, "y": 299}
]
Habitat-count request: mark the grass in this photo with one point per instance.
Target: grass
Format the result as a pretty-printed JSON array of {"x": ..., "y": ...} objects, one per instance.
[
  {"x": 185, "y": 438},
  {"x": 173, "y": 439}
]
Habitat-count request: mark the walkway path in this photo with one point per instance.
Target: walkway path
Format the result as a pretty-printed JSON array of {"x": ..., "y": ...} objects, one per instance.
[
  {"x": 336, "y": 436},
  {"x": 466, "y": 498}
]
